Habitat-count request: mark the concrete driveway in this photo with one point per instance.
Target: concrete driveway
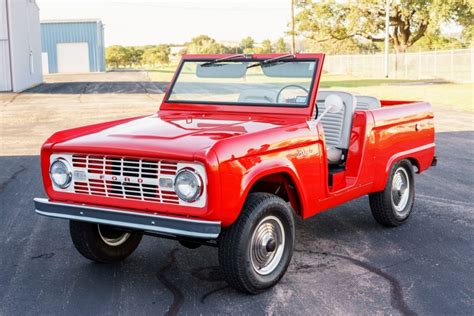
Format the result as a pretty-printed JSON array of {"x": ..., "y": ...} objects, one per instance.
[{"x": 345, "y": 263}]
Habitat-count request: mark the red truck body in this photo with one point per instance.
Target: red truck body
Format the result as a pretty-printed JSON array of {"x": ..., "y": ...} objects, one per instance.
[
  {"x": 251, "y": 144},
  {"x": 247, "y": 167}
]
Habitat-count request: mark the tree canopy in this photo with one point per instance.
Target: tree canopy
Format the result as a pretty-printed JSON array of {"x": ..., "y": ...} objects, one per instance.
[
  {"x": 280, "y": 46},
  {"x": 247, "y": 44},
  {"x": 204, "y": 44},
  {"x": 410, "y": 20},
  {"x": 156, "y": 55},
  {"x": 122, "y": 56},
  {"x": 115, "y": 56}
]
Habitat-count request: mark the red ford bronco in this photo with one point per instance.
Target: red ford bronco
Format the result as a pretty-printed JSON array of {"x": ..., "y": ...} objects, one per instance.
[{"x": 240, "y": 146}]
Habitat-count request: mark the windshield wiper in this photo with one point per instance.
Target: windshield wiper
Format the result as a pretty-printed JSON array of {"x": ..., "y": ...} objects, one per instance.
[
  {"x": 218, "y": 60},
  {"x": 271, "y": 60}
]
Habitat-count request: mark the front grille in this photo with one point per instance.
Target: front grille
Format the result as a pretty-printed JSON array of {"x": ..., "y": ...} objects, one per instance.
[{"x": 126, "y": 178}]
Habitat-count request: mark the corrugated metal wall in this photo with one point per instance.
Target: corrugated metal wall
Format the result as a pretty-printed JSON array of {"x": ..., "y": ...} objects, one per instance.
[
  {"x": 5, "y": 84},
  {"x": 25, "y": 44},
  {"x": 74, "y": 32},
  {"x": 20, "y": 46}
]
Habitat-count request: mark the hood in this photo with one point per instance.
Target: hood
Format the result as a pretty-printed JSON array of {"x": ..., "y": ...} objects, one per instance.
[{"x": 171, "y": 135}]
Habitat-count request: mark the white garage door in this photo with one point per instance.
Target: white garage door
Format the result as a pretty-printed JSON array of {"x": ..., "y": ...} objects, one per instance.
[{"x": 73, "y": 57}]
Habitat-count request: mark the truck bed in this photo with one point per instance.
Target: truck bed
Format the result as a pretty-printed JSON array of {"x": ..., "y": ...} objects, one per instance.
[{"x": 379, "y": 137}]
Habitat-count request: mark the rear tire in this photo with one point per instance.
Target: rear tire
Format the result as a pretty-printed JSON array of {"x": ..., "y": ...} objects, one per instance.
[
  {"x": 102, "y": 243},
  {"x": 393, "y": 206},
  {"x": 255, "y": 251}
]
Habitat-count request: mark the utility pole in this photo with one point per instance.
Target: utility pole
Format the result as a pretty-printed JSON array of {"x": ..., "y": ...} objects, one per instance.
[
  {"x": 387, "y": 35},
  {"x": 293, "y": 41}
]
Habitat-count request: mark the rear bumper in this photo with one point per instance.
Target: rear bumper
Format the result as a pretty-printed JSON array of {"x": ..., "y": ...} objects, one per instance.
[{"x": 168, "y": 225}]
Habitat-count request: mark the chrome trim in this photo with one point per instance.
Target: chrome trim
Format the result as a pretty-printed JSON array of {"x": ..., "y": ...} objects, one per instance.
[
  {"x": 174, "y": 226},
  {"x": 198, "y": 194},
  {"x": 98, "y": 181},
  {"x": 69, "y": 172}
]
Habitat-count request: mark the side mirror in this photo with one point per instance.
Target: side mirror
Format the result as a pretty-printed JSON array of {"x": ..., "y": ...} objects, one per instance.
[{"x": 333, "y": 103}]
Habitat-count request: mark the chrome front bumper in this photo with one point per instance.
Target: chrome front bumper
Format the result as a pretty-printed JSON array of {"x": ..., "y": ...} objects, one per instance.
[{"x": 167, "y": 225}]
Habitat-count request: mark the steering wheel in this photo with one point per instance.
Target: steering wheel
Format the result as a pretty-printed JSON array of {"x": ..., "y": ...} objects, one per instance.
[{"x": 277, "y": 99}]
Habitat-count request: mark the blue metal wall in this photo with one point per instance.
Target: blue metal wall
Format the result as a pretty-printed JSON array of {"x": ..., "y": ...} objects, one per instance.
[{"x": 74, "y": 32}]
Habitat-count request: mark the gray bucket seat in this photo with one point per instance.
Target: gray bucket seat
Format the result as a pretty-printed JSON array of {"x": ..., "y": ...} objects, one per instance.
[{"x": 337, "y": 126}]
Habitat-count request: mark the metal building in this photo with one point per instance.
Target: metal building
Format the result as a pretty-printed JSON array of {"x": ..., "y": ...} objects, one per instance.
[
  {"x": 72, "y": 46},
  {"x": 20, "y": 45}
]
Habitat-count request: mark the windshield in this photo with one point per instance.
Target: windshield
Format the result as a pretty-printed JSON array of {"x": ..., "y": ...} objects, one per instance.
[{"x": 244, "y": 82}]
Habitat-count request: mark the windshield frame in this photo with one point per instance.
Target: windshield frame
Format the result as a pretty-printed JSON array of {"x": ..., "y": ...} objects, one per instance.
[{"x": 313, "y": 83}]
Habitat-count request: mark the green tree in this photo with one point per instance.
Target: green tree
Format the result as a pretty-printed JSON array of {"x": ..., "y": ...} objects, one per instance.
[
  {"x": 266, "y": 46},
  {"x": 438, "y": 41},
  {"x": 410, "y": 20},
  {"x": 134, "y": 55},
  {"x": 204, "y": 44},
  {"x": 247, "y": 44},
  {"x": 156, "y": 55},
  {"x": 115, "y": 56},
  {"x": 280, "y": 46}
]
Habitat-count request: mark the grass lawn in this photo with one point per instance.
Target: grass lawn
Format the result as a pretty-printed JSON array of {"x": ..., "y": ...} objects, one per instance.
[
  {"x": 163, "y": 73},
  {"x": 458, "y": 96}
]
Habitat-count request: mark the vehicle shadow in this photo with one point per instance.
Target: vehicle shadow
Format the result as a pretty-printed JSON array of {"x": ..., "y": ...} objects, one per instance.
[{"x": 343, "y": 261}]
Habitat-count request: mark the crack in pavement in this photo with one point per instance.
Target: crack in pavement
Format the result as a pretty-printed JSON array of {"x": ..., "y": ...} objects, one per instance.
[
  {"x": 5, "y": 183},
  {"x": 397, "y": 300},
  {"x": 44, "y": 255},
  {"x": 83, "y": 91},
  {"x": 143, "y": 87},
  {"x": 12, "y": 99},
  {"x": 206, "y": 295},
  {"x": 209, "y": 274},
  {"x": 178, "y": 297}
]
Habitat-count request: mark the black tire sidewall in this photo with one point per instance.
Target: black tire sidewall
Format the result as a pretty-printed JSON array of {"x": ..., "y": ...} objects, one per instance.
[
  {"x": 269, "y": 279},
  {"x": 87, "y": 240},
  {"x": 254, "y": 213},
  {"x": 405, "y": 164}
]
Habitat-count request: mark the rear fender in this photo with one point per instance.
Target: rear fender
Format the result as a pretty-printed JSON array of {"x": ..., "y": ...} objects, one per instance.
[{"x": 420, "y": 158}]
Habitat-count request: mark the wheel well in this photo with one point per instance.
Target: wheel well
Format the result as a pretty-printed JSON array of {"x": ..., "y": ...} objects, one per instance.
[
  {"x": 282, "y": 186},
  {"x": 415, "y": 164}
]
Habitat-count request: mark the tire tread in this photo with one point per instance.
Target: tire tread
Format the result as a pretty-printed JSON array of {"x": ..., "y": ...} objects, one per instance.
[
  {"x": 228, "y": 251},
  {"x": 381, "y": 204}
]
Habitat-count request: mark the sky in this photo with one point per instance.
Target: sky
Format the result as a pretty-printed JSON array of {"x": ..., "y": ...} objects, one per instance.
[{"x": 143, "y": 22}]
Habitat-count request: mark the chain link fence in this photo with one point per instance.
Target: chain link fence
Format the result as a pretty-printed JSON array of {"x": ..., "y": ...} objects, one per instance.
[{"x": 452, "y": 65}]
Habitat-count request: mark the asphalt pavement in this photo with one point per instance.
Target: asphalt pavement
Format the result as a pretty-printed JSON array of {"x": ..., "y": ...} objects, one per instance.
[{"x": 345, "y": 263}]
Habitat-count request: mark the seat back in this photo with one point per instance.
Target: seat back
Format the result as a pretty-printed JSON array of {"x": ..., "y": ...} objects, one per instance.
[
  {"x": 337, "y": 126},
  {"x": 365, "y": 102}
]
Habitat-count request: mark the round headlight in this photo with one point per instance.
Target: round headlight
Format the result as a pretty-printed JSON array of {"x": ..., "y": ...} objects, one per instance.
[
  {"x": 188, "y": 185},
  {"x": 60, "y": 173}
]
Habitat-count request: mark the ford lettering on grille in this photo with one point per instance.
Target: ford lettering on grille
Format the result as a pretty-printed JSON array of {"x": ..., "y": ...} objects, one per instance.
[{"x": 127, "y": 178}]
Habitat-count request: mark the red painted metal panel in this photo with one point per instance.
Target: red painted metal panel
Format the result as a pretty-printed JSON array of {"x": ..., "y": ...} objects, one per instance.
[{"x": 241, "y": 144}]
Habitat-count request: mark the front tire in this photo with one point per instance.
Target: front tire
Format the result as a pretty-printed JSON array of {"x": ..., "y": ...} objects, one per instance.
[
  {"x": 393, "y": 206},
  {"x": 255, "y": 251},
  {"x": 102, "y": 243}
]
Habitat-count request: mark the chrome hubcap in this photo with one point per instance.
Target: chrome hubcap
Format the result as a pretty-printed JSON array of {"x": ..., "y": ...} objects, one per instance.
[
  {"x": 267, "y": 245},
  {"x": 112, "y": 236},
  {"x": 400, "y": 192}
]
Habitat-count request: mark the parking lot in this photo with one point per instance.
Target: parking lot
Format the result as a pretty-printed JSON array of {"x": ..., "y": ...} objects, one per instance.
[{"x": 345, "y": 263}]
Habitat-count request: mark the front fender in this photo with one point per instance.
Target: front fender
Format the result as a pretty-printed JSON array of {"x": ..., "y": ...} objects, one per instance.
[
  {"x": 232, "y": 203},
  {"x": 268, "y": 168}
]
